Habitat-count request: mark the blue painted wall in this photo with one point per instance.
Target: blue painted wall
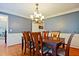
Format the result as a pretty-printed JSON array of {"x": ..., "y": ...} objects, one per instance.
[
  {"x": 17, "y": 24},
  {"x": 65, "y": 23}
]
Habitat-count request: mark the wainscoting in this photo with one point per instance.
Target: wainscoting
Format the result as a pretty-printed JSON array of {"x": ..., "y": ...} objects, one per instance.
[
  {"x": 2, "y": 40},
  {"x": 14, "y": 38}
]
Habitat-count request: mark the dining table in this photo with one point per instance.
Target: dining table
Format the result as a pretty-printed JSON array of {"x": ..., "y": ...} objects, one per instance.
[{"x": 54, "y": 44}]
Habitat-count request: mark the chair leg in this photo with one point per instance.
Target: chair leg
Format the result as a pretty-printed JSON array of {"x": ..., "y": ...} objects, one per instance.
[
  {"x": 63, "y": 45},
  {"x": 30, "y": 49},
  {"x": 33, "y": 49},
  {"x": 25, "y": 48}
]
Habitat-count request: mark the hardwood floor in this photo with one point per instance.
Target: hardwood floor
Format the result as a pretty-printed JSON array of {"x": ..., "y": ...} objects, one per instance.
[
  {"x": 74, "y": 52},
  {"x": 15, "y": 50}
]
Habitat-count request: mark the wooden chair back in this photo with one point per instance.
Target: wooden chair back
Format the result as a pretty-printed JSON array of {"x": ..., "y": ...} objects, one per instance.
[
  {"x": 26, "y": 41},
  {"x": 55, "y": 35},
  {"x": 26, "y": 36},
  {"x": 45, "y": 34},
  {"x": 36, "y": 36},
  {"x": 68, "y": 45},
  {"x": 40, "y": 43}
]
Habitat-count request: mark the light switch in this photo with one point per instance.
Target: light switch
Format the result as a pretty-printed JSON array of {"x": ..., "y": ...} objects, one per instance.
[{"x": 11, "y": 30}]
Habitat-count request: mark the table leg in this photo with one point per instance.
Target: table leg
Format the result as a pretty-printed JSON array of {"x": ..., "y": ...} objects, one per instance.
[
  {"x": 63, "y": 45},
  {"x": 55, "y": 51},
  {"x": 57, "y": 46}
]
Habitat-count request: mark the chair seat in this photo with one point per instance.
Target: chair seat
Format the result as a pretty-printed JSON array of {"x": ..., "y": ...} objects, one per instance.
[{"x": 61, "y": 52}]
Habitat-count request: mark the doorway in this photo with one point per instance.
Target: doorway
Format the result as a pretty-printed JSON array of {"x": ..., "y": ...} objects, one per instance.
[{"x": 3, "y": 29}]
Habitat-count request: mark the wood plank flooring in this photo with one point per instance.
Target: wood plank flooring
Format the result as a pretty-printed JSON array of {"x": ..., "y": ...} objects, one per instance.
[{"x": 15, "y": 50}]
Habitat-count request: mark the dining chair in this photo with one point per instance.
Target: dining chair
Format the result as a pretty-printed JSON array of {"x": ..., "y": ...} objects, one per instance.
[
  {"x": 65, "y": 51},
  {"x": 27, "y": 41},
  {"x": 35, "y": 40},
  {"x": 45, "y": 35},
  {"x": 38, "y": 43},
  {"x": 44, "y": 49},
  {"x": 55, "y": 35}
]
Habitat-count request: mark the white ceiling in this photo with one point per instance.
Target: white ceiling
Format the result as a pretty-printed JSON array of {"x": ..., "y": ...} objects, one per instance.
[{"x": 47, "y": 9}]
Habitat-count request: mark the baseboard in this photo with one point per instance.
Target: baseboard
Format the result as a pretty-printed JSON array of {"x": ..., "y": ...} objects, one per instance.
[
  {"x": 74, "y": 48},
  {"x": 14, "y": 45}
]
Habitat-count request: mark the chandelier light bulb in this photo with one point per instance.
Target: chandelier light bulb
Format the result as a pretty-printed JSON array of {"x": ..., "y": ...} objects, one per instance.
[
  {"x": 36, "y": 19},
  {"x": 35, "y": 13},
  {"x": 42, "y": 17}
]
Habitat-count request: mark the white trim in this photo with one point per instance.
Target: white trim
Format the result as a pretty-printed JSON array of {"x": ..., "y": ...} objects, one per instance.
[
  {"x": 13, "y": 13},
  {"x": 59, "y": 14},
  {"x": 63, "y": 13}
]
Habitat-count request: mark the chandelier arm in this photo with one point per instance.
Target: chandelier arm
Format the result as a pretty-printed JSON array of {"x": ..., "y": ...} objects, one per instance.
[{"x": 37, "y": 7}]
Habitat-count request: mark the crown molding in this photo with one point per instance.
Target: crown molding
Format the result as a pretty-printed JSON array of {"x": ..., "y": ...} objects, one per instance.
[
  {"x": 63, "y": 13},
  {"x": 59, "y": 14},
  {"x": 13, "y": 13}
]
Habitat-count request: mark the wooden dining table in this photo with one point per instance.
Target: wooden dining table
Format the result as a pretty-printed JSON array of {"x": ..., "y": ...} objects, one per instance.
[{"x": 54, "y": 44}]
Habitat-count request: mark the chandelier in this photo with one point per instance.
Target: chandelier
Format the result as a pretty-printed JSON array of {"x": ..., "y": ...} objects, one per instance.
[{"x": 37, "y": 17}]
